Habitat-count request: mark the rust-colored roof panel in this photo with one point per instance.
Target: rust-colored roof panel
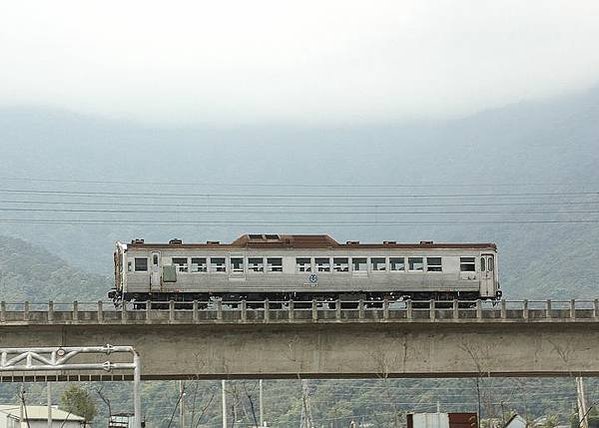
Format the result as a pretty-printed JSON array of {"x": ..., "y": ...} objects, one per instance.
[{"x": 306, "y": 242}]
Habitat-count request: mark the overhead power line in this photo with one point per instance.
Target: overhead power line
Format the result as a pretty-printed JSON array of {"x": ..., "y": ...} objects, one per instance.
[
  {"x": 278, "y": 184},
  {"x": 240, "y": 204},
  {"x": 273, "y": 212},
  {"x": 295, "y": 196},
  {"x": 284, "y": 223}
]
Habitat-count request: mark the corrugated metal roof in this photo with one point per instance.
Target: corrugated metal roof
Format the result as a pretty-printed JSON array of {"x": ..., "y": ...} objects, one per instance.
[{"x": 39, "y": 413}]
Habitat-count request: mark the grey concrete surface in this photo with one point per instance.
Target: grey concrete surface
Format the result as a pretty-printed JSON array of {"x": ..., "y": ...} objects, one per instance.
[{"x": 438, "y": 347}]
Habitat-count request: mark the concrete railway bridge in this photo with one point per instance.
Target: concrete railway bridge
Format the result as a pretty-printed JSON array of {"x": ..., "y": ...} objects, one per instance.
[{"x": 316, "y": 339}]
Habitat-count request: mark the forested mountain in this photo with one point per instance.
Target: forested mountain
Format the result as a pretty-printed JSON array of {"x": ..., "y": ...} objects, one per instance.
[
  {"x": 548, "y": 147},
  {"x": 532, "y": 149},
  {"x": 29, "y": 272}
]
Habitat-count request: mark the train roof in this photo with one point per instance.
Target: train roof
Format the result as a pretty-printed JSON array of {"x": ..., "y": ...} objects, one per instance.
[{"x": 266, "y": 240}]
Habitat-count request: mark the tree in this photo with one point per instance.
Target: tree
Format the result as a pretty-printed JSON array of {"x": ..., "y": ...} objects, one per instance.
[{"x": 77, "y": 401}]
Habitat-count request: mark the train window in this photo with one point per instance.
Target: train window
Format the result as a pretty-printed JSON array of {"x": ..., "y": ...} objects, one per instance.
[
  {"x": 433, "y": 264},
  {"x": 253, "y": 236},
  {"x": 359, "y": 264},
  {"x": 378, "y": 264},
  {"x": 141, "y": 264},
  {"x": 255, "y": 264},
  {"x": 323, "y": 264},
  {"x": 304, "y": 264},
  {"x": 341, "y": 264},
  {"x": 482, "y": 264},
  {"x": 271, "y": 237},
  {"x": 397, "y": 264},
  {"x": 415, "y": 264},
  {"x": 198, "y": 264},
  {"x": 490, "y": 264},
  {"x": 181, "y": 264},
  {"x": 274, "y": 264},
  {"x": 217, "y": 264},
  {"x": 237, "y": 264},
  {"x": 467, "y": 264}
]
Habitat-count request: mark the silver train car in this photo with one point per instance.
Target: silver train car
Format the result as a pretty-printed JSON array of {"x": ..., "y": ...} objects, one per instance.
[{"x": 303, "y": 267}]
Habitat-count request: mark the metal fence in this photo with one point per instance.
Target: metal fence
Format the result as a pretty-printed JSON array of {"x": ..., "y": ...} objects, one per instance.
[{"x": 265, "y": 311}]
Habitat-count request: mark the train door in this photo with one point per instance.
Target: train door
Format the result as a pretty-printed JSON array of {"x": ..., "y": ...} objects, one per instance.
[
  {"x": 487, "y": 275},
  {"x": 155, "y": 277}
]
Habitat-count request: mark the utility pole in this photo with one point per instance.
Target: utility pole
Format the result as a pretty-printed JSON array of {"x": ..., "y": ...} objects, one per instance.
[
  {"x": 261, "y": 406},
  {"x": 49, "y": 398},
  {"x": 306, "y": 401},
  {"x": 224, "y": 404},
  {"x": 182, "y": 404},
  {"x": 582, "y": 404},
  {"x": 21, "y": 408}
]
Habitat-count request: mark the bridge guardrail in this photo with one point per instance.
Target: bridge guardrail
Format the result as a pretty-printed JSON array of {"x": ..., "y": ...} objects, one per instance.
[{"x": 104, "y": 312}]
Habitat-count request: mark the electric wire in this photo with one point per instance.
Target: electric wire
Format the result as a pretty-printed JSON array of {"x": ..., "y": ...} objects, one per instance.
[
  {"x": 280, "y": 185},
  {"x": 279, "y": 205},
  {"x": 295, "y": 196},
  {"x": 285, "y": 223},
  {"x": 271, "y": 212}
]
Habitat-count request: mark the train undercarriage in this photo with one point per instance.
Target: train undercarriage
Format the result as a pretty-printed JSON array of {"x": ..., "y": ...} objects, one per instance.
[{"x": 300, "y": 299}]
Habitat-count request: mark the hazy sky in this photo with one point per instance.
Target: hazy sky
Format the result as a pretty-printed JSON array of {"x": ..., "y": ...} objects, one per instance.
[{"x": 337, "y": 61}]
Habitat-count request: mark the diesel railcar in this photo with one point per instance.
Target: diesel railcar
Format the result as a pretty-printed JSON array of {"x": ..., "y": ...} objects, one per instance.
[{"x": 303, "y": 267}]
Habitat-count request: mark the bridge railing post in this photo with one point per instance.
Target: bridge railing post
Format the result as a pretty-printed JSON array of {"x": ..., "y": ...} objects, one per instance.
[
  {"x": 171, "y": 311},
  {"x": 386, "y": 309},
  {"x": 50, "y": 311},
  {"x": 479, "y": 309},
  {"x": 361, "y": 309},
  {"x": 409, "y": 314},
  {"x": 432, "y": 309},
  {"x": 314, "y": 310},
  {"x": 266, "y": 311},
  {"x": 291, "y": 310},
  {"x": 525, "y": 309},
  {"x": 548, "y": 309},
  {"x": 573, "y": 309},
  {"x": 456, "y": 309},
  {"x": 148, "y": 311},
  {"x": 100, "y": 314},
  {"x": 219, "y": 310},
  {"x": 195, "y": 311},
  {"x": 26, "y": 311},
  {"x": 503, "y": 309},
  {"x": 123, "y": 312},
  {"x": 338, "y": 310},
  {"x": 3, "y": 311},
  {"x": 244, "y": 314},
  {"x": 75, "y": 311},
  {"x": 596, "y": 308}
]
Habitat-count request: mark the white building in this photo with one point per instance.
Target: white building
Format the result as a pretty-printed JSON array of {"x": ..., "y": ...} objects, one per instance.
[{"x": 37, "y": 416}]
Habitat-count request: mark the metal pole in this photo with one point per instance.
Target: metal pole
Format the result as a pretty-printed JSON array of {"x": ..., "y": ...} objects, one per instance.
[
  {"x": 582, "y": 403},
  {"x": 261, "y": 406},
  {"x": 182, "y": 404},
  {"x": 49, "y": 397},
  {"x": 136, "y": 389},
  {"x": 224, "y": 404},
  {"x": 21, "y": 412}
]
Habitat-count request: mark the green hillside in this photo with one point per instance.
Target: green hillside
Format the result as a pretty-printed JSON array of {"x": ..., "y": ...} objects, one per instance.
[{"x": 29, "y": 272}]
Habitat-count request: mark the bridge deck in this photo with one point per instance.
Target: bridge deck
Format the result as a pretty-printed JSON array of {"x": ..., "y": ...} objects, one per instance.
[{"x": 255, "y": 340}]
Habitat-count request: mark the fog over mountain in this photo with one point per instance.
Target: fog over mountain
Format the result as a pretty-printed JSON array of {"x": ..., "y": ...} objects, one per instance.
[
  {"x": 546, "y": 152},
  {"x": 325, "y": 62}
]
